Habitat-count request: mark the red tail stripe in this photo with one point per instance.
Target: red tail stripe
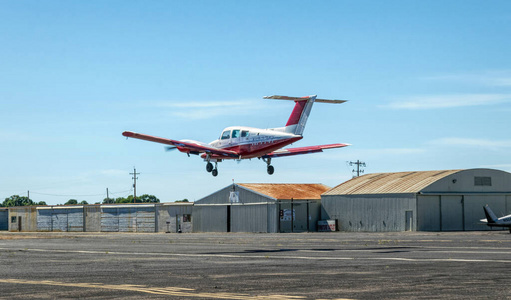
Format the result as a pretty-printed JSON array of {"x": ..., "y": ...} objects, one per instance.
[{"x": 297, "y": 113}]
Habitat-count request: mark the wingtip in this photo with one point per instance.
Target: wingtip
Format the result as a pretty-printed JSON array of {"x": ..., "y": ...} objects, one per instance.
[{"x": 127, "y": 134}]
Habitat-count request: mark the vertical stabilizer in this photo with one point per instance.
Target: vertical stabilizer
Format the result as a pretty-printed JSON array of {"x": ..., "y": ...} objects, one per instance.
[
  {"x": 490, "y": 216},
  {"x": 298, "y": 118}
]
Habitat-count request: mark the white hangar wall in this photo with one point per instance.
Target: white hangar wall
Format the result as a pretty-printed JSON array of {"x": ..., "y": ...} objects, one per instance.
[{"x": 450, "y": 200}]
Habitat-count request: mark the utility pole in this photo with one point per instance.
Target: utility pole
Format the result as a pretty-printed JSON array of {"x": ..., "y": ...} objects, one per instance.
[
  {"x": 359, "y": 164},
  {"x": 107, "y": 198},
  {"x": 134, "y": 184}
]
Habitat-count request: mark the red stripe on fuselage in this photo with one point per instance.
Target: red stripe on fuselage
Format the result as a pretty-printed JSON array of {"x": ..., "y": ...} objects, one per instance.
[{"x": 253, "y": 150}]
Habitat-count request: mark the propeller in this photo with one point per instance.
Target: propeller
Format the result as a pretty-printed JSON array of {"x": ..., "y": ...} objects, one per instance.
[{"x": 170, "y": 148}]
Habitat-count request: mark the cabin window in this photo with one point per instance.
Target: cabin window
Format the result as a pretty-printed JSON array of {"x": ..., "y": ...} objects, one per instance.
[
  {"x": 482, "y": 181},
  {"x": 226, "y": 134},
  {"x": 236, "y": 133},
  {"x": 244, "y": 133}
]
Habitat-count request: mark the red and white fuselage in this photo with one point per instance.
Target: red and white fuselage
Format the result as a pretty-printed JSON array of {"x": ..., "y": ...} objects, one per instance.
[{"x": 240, "y": 142}]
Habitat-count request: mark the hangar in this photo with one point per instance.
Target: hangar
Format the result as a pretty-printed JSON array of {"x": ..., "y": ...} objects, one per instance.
[
  {"x": 153, "y": 217},
  {"x": 258, "y": 207},
  {"x": 449, "y": 200}
]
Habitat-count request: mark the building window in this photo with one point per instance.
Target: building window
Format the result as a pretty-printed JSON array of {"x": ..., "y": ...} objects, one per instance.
[
  {"x": 187, "y": 218},
  {"x": 482, "y": 181},
  {"x": 13, "y": 219}
]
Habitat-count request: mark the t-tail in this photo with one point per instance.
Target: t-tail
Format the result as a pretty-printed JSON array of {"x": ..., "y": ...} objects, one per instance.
[
  {"x": 490, "y": 216},
  {"x": 298, "y": 118}
]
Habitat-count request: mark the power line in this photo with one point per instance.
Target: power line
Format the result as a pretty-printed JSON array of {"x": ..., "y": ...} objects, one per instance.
[
  {"x": 134, "y": 184},
  {"x": 359, "y": 164}
]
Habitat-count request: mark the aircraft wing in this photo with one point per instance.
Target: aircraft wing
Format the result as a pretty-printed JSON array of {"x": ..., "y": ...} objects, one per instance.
[
  {"x": 302, "y": 150},
  {"x": 192, "y": 147}
]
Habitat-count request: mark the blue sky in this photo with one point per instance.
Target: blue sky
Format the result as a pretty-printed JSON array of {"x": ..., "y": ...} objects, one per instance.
[{"x": 429, "y": 84}]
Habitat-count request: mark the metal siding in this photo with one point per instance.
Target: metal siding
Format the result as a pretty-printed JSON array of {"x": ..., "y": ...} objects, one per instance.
[
  {"x": 273, "y": 217},
  {"x": 300, "y": 221},
  {"x": 126, "y": 219},
  {"x": 145, "y": 219},
  {"x": 109, "y": 220},
  {"x": 210, "y": 218},
  {"x": 314, "y": 215},
  {"x": 249, "y": 218},
  {"x": 428, "y": 213},
  {"x": 92, "y": 218},
  {"x": 4, "y": 219},
  {"x": 385, "y": 213},
  {"x": 59, "y": 220},
  {"x": 44, "y": 222},
  {"x": 452, "y": 213},
  {"x": 75, "y": 219}
]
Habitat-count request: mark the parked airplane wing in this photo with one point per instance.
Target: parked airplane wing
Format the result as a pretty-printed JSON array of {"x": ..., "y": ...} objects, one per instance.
[
  {"x": 303, "y": 150},
  {"x": 192, "y": 147}
]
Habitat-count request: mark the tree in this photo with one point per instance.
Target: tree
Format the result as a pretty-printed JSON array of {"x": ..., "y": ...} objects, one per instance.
[
  {"x": 71, "y": 202},
  {"x": 108, "y": 201},
  {"x": 184, "y": 200},
  {"x": 41, "y": 203},
  {"x": 145, "y": 198},
  {"x": 16, "y": 200},
  {"x": 83, "y": 202}
]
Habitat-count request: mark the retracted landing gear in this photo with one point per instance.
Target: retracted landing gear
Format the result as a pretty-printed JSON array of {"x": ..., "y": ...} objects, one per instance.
[{"x": 270, "y": 169}]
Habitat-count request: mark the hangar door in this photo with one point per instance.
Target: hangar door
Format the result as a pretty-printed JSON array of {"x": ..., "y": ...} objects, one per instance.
[
  {"x": 128, "y": 219},
  {"x": 451, "y": 209},
  {"x": 60, "y": 219}
]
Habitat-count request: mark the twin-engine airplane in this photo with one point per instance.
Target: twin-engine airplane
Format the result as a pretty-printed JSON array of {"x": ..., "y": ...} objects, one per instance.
[{"x": 239, "y": 142}]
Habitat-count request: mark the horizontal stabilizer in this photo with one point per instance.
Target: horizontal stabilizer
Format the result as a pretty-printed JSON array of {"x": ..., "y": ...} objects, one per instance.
[
  {"x": 277, "y": 97},
  {"x": 303, "y": 150}
]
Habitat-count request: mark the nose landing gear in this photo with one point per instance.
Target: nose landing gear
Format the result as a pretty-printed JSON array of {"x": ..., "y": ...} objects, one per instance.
[{"x": 270, "y": 169}]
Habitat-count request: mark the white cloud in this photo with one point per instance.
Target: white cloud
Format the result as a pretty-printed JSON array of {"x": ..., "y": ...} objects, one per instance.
[
  {"x": 474, "y": 143},
  {"x": 449, "y": 101},
  {"x": 205, "y": 110},
  {"x": 485, "y": 78}
]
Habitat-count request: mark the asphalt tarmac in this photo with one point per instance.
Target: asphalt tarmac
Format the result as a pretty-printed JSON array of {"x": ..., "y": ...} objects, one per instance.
[{"x": 449, "y": 265}]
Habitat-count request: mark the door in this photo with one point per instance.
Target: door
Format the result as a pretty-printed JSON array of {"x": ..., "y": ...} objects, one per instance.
[
  {"x": 19, "y": 223},
  {"x": 408, "y": 220}
]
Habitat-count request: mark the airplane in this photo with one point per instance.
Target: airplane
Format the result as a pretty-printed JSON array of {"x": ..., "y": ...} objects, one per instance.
[
  {"x": 492, "y": 220},
  {"x": 240, "y": 142}
]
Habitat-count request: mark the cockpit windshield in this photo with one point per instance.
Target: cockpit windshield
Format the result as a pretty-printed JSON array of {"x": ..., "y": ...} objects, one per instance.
[{"x": 226, "y": 135}]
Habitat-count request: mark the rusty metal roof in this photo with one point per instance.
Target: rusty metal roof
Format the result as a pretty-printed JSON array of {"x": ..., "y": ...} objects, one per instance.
[
  {"x": 390, "y": 183},
  {"x": 286, "y": 191}
]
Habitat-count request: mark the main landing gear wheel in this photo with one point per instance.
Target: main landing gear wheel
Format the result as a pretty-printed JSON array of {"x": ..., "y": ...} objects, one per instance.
[
  {"x": 214, "y": 172},
  {"x": 209, "y": 167},
  {"x": 270, "y": 169}
]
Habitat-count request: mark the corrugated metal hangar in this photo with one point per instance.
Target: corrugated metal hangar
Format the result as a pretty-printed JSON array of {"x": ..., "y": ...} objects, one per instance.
[
  {"x": 161, "y": 217},
  {"x": 450, "y": 200},
  {"x": 260, "y": 208}
]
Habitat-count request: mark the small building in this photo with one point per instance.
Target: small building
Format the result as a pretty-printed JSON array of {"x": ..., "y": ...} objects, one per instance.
[
  {"x": 450, "y": 200},
  {"x": 259, "y": 207},
  {"x": 4, "y": 218}
]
